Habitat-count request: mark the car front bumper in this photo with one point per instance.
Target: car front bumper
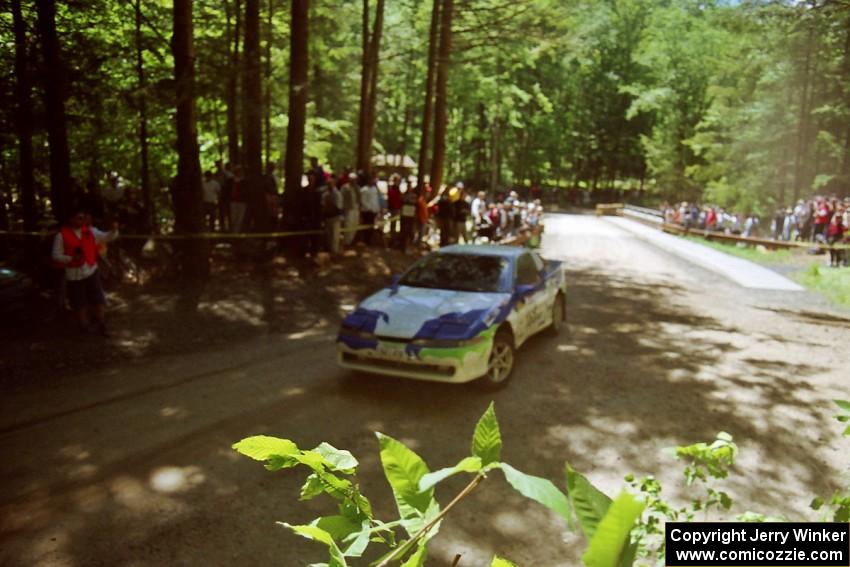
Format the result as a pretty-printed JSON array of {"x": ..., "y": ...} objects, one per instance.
[{"x": 400, "y": 358}]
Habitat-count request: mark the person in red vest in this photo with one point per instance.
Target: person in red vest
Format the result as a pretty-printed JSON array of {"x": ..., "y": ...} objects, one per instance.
[{"x": 76, "y": 247}]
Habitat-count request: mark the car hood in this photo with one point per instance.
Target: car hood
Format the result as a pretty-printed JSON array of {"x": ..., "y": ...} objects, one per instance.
[{"x": 415, "y": 312}]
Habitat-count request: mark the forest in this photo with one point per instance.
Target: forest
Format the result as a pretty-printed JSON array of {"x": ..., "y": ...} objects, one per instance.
[{"x": 742, "y": 104}]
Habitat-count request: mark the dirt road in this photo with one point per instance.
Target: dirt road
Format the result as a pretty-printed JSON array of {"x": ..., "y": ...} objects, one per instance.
[{"x": 132, "y": 466}]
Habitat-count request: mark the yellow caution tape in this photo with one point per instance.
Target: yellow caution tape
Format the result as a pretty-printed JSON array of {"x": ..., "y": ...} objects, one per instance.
[{"x": 209, "y": 235}]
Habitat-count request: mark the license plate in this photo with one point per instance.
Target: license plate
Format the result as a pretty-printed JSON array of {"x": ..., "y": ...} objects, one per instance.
[{"x": 392, "y": 352}]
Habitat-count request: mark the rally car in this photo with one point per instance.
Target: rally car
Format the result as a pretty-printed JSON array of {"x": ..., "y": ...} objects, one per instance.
[{"x": 456, "y": 315}]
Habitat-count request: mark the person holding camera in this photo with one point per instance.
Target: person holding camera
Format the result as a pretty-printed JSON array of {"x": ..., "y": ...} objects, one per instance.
[{"x": 76, "y": 248}]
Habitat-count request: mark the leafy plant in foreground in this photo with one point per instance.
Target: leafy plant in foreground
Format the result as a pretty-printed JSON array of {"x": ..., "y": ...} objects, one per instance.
[
  {"x": 837, "y": 507},
  {"x": 348, "y": 533},
  {"x": 619, "y": 532}
]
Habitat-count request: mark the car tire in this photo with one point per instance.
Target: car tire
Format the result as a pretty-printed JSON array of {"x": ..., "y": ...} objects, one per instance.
[
  {"x": 559, "y": 315},
  {"x": 502, "y": 359}
]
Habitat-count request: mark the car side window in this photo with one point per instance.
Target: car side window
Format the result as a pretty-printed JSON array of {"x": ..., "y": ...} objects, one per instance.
[{"x": 526, "y": 271}]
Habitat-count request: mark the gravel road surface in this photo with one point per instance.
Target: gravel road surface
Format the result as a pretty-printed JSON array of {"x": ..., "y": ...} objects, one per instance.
[{"x": 132, "y": 466}]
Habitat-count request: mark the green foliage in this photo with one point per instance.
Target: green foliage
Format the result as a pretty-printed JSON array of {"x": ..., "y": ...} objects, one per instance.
[
  {"x": 590, "y": 504},
  {"x": 610, "y": 545},
  {"x": 349, "y": 532},
  {"x": 618, "y": 532},
  {"x": 833, "y": 283},
  {"x": 540, "y": 490},
  {"x": 837, "y": 507},
  {"x": 487, "y": 440},
  {"x": 404, "y": 470}
]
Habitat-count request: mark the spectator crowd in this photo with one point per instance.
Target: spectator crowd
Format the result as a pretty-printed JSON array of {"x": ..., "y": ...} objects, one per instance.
[{"x": 819, "y": 220}]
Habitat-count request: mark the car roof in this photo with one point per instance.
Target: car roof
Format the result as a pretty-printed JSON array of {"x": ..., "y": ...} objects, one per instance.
[{"x": 483, "y": 250}]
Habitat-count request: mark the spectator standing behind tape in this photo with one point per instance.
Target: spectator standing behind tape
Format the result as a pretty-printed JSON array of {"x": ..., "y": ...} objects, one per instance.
[
  {"x": 332, "y": 209},
  {"x": 224, "y": 176},
  {"x": 75, "y": 247},
  {"x": 350, "y": 207},
  {"x": 461, "y": 214},
  {"x": 834, "y": 235},
  {"x": 238, "y": 204},
  {"x": 370, "y": 207},
  {"x": 822, "y": 216},
  {"x": 211, "y": 192},
  {"x": 445, "y": 216},
  {"x": 408, "y": 218},
  {"x": 394, "y": 203}
]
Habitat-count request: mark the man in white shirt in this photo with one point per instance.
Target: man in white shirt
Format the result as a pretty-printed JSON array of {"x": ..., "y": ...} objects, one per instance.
[
  {"x": 370, "y": 206},
  {"x": 212, "y": 191},
  {"x": 477, "y": 208},
  {"x": 75, "y": 247}
]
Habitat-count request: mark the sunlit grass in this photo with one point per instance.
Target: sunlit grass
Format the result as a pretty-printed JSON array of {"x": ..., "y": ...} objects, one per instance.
[
  {"x": 758, "y": 255},
  {"x": 832, "y": 282}
]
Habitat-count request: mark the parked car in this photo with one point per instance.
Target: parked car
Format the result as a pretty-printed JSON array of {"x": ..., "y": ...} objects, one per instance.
[{"x": 458, "y": 314}]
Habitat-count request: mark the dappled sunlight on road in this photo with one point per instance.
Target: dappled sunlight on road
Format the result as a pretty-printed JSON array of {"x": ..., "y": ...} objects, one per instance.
[{"x": 646, "y": 362}]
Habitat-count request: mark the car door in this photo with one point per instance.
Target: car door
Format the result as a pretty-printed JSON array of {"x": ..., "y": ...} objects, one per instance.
[{"x": 531, "y": 308}]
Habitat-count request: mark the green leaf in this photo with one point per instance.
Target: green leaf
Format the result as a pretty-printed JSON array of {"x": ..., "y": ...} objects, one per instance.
[
  {"x": 611, "y": 545},
  {"x": 487, "y": 440},
  {"x": 540, "y": 490},
  {"x": 404, "y": 469},
  {"x": 316, "y": 533},
  {"x": 312, "y": 487},
  {"x": 501, "y": 562},
  {"x": 359, "y": 541},
  {"x": 843, "y": 404},
  {"x": 338, "y": 527},
  {"x": 469, "y": 465},
  {"x": 418, "y": 557},
  {"x": 337, "y": 459},
  {"x": 589, "y": 503},
  {"x": 263, "y": 447},
  {"x": 816, "y": 503}
]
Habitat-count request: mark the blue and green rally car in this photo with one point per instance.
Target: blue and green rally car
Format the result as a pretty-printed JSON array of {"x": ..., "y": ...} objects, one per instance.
[{"x": 458, "y": 314}]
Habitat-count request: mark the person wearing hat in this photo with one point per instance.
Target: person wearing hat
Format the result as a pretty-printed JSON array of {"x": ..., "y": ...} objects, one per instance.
[
  {"x": 445, "y": 214},
  {"x": 76, "y": 248}
]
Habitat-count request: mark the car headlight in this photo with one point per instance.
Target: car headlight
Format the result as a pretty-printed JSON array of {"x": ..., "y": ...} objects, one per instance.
[{"x": 446, "y": 343}]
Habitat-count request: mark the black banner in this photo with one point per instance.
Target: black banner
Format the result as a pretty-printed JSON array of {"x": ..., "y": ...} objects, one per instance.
[{"x": 744, "y": 544}]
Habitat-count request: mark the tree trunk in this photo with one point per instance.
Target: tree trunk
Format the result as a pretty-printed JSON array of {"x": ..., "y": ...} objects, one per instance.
[
  {"x": 144, "y": 172},
  {"x": 479, "y": 148},
  {"x": 845, "y": 162},
  {"x": 803, "y": 124},
  {"x": 252, "y": 120},
  {"x": 374, "y": 52},
  {"x": 365, "y": 73},
  {"x": 268, "y": 102},
  {"x": 24, "y": 120},
  {"x": 427, "y": 107},
  {"x": 441, "y": 98},
  {"x": 186, "y": 191},
  {"x": 53, "y": 75},
  {"x": 495, "y": 155},
  {"x": 233, "y": 81},
  {"x": 298, "y": 85}
]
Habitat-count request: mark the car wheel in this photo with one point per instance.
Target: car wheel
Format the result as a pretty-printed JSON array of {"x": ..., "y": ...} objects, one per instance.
[
  {"x": 501, "y": 362},
  {"x": 558, "y": 315}
]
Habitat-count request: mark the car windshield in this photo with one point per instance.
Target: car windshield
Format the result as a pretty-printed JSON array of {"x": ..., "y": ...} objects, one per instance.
[{"x": 460, "y": 272}]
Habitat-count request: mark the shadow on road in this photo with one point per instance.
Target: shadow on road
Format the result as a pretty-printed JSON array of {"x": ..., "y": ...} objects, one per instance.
[{"x": 637, "y": 370}]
